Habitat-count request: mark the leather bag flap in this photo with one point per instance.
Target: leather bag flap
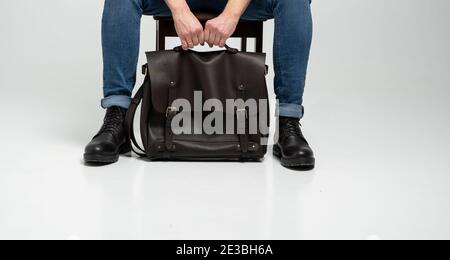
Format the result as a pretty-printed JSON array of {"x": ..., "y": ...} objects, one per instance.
[{"x": 216, "y": 74}]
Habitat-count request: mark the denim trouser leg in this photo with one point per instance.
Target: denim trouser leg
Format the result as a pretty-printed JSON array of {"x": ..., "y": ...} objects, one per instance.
[
  {"x": 121, "y": 26},
  {"x": 292, "y": 44},
  {"x": 292, "y": 41}
]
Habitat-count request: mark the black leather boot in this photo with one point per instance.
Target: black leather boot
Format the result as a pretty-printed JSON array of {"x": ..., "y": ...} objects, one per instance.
[
  {"x": 292, "y": 147},
  {"x": 110, "y": 142}
]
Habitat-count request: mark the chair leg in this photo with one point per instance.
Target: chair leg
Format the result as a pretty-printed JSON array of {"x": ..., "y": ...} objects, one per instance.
[
  {"x": 259, "y": 38},
  {"x": 160, "y": 38},
  {"x": 243, "y": 44},
  {"x": 259, "y": 45},
  {"x": 162, "y": 42}
]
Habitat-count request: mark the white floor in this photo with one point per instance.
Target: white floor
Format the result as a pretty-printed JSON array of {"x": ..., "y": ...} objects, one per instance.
[{"x": 377, "y": 108}]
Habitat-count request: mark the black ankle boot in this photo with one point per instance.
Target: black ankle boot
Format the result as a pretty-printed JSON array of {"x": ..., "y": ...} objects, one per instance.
[
  {"x": 110, "y": 142},
  {"x": 292, "y": 147}
]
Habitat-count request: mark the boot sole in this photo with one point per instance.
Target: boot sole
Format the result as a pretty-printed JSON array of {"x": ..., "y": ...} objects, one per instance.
[
  {"x": 107, "y": 158},
  {"x": 293, "y": 163}
]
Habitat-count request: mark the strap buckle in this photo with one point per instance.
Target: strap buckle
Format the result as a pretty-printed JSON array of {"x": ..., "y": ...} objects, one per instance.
[
  {"x": 171, "y": 110},
  {"x": 145, "y": 69}
]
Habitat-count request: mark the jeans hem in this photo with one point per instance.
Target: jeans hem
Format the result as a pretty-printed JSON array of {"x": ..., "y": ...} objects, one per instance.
[
  {"x": 290, "y": 110},
  {"x": 116, "y": 101}
]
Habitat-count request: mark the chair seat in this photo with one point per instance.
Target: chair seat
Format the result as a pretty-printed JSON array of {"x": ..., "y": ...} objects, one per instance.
[{"x": 201, "y": 16}]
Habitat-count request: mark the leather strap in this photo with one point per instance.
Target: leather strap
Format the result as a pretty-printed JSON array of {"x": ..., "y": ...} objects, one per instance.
[
  {"x": 242, "y": 112},
  {"x": 129, "y": 120},
  {"x": 171, "y": 112}
]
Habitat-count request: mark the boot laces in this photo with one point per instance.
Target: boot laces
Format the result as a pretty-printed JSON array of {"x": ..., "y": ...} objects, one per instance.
[
  {"x": 113, "y": 121},
  {"x": 292, "y": 127}
]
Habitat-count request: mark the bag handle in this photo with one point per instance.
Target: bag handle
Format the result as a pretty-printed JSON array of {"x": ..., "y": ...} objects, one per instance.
[
  {"x": 129, "y": 121},
  {"x": 227, "y": 48}
]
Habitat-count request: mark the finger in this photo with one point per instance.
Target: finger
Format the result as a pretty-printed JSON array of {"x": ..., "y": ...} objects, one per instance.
[
  {"x": 206, "y": 36},
  {"x": 201, "y": 38},
  {"x": 217, "y": 40},
  {"x": 222, "y": 42},
  {"x": 207, "y": 33},
  {"x": 190, "y": 43},
  {"x": 184, "y": 44},
  {"x": 211, "y": 39},
  {"x": 195, "y": 39}
]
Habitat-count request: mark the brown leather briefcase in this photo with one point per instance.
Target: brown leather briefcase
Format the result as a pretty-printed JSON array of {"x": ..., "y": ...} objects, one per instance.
[{"x": 215, "y": 118}]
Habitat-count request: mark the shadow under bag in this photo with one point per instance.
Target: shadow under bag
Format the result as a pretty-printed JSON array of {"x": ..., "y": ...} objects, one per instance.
[{"x": 195, "y": 81}]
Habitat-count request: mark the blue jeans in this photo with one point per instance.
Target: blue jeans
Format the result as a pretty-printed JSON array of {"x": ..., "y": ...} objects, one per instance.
[{"x": 292, "y": 43}]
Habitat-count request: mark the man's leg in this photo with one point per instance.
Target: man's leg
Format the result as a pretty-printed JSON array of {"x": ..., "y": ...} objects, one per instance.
[
  {"x": 292, "y": 44},
  {"x": 120, "y": 40}
]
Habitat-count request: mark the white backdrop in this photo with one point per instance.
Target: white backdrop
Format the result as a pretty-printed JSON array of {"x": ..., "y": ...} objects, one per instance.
[{"x": 376, "y": 113}]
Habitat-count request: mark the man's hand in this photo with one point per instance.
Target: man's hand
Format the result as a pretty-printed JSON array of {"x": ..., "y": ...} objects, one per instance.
[
  {"x": 219, "y": 29},
  {"x": 188, "y": 27}
]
